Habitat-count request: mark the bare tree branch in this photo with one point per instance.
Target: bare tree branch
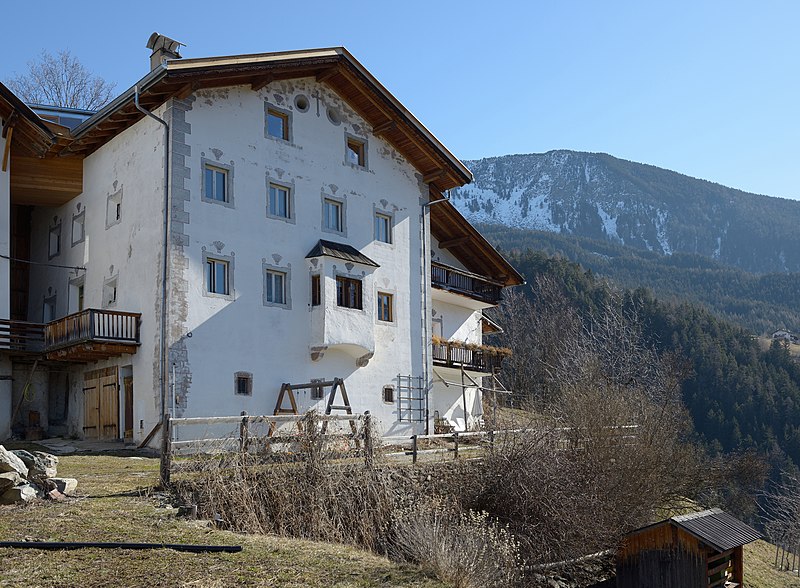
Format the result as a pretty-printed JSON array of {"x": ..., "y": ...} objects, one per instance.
[{"x": 61, "y": 80}]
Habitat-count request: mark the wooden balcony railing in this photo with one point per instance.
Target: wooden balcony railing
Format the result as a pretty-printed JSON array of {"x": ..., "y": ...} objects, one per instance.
[
  {"x": 21, "y": 336},
  {"x": 463, "y": 282},
  {"x": 106, "y": 326},
  {"x": 99, "y": 333},
  {"x": 478, "y": 358}
]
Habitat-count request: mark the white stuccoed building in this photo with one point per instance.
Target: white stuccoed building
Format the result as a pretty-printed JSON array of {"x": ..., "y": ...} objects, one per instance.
[{"x": 300, "y": 233}]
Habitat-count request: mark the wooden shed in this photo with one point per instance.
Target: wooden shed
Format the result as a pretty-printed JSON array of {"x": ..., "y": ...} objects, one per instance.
[{"x": 703, "y": 549}]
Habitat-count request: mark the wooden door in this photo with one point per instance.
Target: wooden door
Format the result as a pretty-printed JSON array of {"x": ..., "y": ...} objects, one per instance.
[
  {"x": 101, "y": 404},
  {"x": 127, "y": 384},
  {"x": 91, "y": 409}
]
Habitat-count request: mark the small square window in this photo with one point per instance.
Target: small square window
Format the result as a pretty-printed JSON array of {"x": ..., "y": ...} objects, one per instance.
[
  {"x": 275, "y": 287},
  {"x": 316, "y": 290},
  {"x": 383, "y": 228},
  {"x": 216, "y": 183},
  {"x": 332, "y": 215},
  {"x": 279, "y": 201},
  {"x": 54, "y": 242},
  {"x": 348, "y": 292},
  {"x": 243, "y": 383},
  {"x": 388, "y": 394},
  {"x": 356, "y": 152},
  {"x": 217, "y": 277},
  {"x": 317, "y": 392},
  {"x": 385, "y": 310},
  {"x": 277, "y": 124}
]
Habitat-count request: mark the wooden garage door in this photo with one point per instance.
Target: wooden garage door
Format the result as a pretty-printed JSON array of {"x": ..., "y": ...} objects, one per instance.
[{"x": 101, "y": 404}]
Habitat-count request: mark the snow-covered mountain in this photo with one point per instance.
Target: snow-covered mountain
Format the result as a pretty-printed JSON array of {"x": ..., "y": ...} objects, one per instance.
[{"x": 599, "y": 196}]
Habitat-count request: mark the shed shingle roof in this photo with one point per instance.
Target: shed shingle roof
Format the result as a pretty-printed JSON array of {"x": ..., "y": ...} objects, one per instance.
[{"x": 717, "y": 528}]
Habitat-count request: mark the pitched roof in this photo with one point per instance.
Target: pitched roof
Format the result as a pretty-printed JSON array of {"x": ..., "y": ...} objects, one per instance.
[
  {"x": 717, "y": 528},
  {"x": 340, "y": 251},
  {"x": 333, "y": 66}
]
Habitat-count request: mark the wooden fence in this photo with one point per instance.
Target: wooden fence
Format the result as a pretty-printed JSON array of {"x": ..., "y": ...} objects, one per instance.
[{"x": 257, "y": 434}]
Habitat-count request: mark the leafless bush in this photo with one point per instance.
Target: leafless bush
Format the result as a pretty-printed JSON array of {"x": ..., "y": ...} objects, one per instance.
[
  {"x": 781, "y": 511},
  {"x": 345, "y": 502},
  {"x": 464, "y": 548}
]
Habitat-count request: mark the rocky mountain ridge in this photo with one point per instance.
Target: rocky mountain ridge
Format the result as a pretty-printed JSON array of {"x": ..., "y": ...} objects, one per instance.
[{"x": 599, "y": 196}]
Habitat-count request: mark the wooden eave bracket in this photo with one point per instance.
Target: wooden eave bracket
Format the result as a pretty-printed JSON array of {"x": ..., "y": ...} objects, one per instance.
[
  {"x": 8, "y": 132},
  {"x": 384, "y": 128},
  {"x": 327, "y": 74},
  {"x": 261, "y": 82},
  {"x": 455, "y": 242},
  {"x": 432, "y": 176}
]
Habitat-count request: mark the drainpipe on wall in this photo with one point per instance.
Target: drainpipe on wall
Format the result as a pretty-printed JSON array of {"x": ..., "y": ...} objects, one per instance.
[{"x": 163, "y": 350}]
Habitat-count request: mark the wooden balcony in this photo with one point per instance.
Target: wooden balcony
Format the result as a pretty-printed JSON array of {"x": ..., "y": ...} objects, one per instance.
[
  {"x": 477, "y": 358},
  {"x": 85, "y": 336},
  {"x": 453, "y": 279}
]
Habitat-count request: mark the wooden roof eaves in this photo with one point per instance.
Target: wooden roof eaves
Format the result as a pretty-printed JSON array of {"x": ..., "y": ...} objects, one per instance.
[
  {"x": 29, "y": 124},
  {"x": 476, "y": 249}
]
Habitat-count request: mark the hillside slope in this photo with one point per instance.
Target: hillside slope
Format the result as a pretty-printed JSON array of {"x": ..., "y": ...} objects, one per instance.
[{"x": 601, "y": 197}]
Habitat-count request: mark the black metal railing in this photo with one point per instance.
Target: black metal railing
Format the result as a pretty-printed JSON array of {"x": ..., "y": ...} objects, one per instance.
[
  {"x": 475, "y": 358},
  {"x": 463, "y": 282}
]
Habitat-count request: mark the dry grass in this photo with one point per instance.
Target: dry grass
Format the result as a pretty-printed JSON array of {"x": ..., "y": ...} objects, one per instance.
[
  {"x": 760, "y": 571},
  {"x": 115, "y": 502}
]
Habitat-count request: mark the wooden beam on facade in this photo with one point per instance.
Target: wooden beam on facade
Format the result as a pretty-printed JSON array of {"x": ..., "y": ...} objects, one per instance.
[
  {"x": 261, "y": 82},
  {"x": 7, "y": 147},
  {"x": 455, "y": 242},
  {"x": 327, "y": 74},
  {"x": 384, "y": 128},
  {"x": 184, "y": 92},
  {"x": 433, "y": 175}
]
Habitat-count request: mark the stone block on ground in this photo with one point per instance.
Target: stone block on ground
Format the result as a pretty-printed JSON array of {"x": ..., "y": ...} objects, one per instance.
[
  {"x": 65, "y": 485},
  {"x": 9, "y": 479},
  {"x": 18, "y": 494},
  {"x": 11, "y": 463},
  {"x": 40, "y": 465}
]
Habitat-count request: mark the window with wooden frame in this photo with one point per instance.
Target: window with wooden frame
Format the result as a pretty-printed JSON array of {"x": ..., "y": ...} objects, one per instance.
[
  {"x": 383, "y": 227},
  {"x": 79, "y": 227},
  {"x": 275, "y": 286},
  {"x": 348, "y": 292},
  {"x": 388, "y": 394},
  {"x": 215, "y": 182},
  {"x": 277, "y": 124},
  {"x": 356, "y": 152},
  {"x": 280, "y": 202},
  {"x": 54, "y": 242},
  {"x": 217, "y": 278},
  {"x": 316, "y": 290},
  {"x": 332, "y": 215},
  {"x": 385, "y": 310}
]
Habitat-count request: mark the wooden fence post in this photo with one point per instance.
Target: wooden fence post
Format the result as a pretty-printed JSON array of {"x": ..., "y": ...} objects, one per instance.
[
  {"x": 413, "y": 449},
  {"x": 244, "y": 433},
  {"x": 166, "y": 451},
  {"x": 455, "y": 445},
  {"x": 369, "y": 448}
]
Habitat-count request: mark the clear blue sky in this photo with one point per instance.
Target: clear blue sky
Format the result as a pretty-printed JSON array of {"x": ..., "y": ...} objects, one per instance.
[{"x": 707, "y": 88}]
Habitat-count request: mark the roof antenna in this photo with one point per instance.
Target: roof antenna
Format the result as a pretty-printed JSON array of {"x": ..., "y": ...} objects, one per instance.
[{"x": 163, "y": 49}]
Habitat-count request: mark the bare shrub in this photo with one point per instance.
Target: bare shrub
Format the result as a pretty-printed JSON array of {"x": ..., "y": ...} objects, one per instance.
[
  {"x": 342, "y": 502},
  {"x": 463, "y": 548}
]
